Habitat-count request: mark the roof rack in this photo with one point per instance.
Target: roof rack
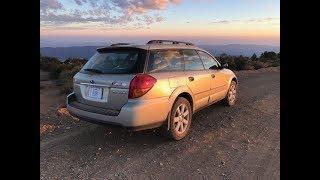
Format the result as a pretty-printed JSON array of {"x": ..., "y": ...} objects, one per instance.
[
  {"x": 120, "y": 44},
  {"x": 169, "y": 41}
]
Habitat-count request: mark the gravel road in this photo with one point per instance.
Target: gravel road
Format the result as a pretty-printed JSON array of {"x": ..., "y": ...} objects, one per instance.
[{"x": 237, "y": 142}]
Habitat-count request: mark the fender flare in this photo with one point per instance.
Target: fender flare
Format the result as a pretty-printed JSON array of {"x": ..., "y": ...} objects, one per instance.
[
  {"x": 173, "y": 97},
  {"x": 231, "y": 78}
]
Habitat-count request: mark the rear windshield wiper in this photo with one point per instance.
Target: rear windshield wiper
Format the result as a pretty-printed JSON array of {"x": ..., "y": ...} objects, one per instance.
[{"x": 94, "y": 70}]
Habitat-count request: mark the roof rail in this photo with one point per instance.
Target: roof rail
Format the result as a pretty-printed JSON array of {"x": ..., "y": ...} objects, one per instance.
[
  {"x": 120, "y": 44},
  {"x": 169, "y": 41}
]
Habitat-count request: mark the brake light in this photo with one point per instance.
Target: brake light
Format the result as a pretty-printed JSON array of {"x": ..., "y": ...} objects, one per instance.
[{"x": 140, "y": 85}]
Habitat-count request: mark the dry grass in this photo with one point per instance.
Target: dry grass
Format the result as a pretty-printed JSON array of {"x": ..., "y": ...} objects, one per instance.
[
  {"x": 62, "y": 111},
  {"x": 45, "y": 128}
]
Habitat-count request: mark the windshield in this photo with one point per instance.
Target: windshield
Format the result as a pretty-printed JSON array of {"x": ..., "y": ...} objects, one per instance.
[{"x": 119, "y": 61}]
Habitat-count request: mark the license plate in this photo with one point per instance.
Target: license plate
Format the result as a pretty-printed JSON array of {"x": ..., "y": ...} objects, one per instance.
[{"x": 95, "y": 93}]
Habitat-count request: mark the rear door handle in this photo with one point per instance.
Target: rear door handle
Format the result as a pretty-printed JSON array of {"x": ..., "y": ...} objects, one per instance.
[
  {"x": 213, "y": 76},
  {"x": 191, "y": 78}
]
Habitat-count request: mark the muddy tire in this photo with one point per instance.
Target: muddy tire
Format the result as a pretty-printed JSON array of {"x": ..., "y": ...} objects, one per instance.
[
  {"x": 180, "y": 119},
  {"x": 231, "y": 96}
]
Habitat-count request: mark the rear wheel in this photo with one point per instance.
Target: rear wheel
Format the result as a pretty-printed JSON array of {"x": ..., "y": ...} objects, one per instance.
[
  {"x": 180, "y": 119},
  {"x": 231, "y": 96}
]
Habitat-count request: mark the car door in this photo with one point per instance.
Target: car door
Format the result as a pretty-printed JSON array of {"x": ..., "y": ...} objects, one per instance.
[
  {"x": 218, "y": 82},
  {"x": 198, "y": 79}
]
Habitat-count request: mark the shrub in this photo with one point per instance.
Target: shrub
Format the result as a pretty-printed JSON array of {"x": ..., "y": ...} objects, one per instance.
[
  {"x": 66, "y": 77},
  {"x": 62, "y": 71},
  {"x": 67, "y": 87},
  {"x": 254, "y": 57},
  {"x": 275, "y": 64},
  {"x": 228, "y": 59},
  {"x": 55, "y": 70},
  {"x": 242, "y": 62},
  {"x": 258, "y": 64},
  {"x": 248, "y": 66},
  {"x": 269, "y": 55}
]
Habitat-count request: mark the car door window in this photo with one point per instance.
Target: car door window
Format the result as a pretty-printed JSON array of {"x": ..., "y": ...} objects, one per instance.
[
  {"x": 208, "y": 61},
  {"x": 165, "y": 60},
  {"x": 192, "y": 60}
]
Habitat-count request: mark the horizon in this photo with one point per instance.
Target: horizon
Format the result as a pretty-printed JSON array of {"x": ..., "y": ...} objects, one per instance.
[
  {"x": 212, "y": 22},
  {"x": 107, "y": 44}
]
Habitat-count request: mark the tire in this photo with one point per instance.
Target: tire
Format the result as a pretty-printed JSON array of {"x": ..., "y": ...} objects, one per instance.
[
  {"x": 180, "y": 122},
  {"x": 231, "y": 96}
]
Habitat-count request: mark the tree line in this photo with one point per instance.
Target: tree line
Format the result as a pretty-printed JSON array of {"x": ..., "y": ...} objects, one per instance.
[{"x": 266, "y": 59}]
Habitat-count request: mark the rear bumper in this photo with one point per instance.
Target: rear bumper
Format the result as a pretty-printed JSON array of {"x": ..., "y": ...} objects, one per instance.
[{"x": 135, "y": 114}]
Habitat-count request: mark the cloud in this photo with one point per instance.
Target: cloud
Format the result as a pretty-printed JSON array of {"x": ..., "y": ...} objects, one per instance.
[
  {"x": 222, "y": 22},
  {"x": 160, "y": 19},
  {"x": 79, "y": 2},
  {"x": 256, "y": 20},
  {"x": 141, "y": 6},
  {"x": 93, "y": 3},
  {"x": 109, "y": 12},
  {"x": 46, "y": 5}
]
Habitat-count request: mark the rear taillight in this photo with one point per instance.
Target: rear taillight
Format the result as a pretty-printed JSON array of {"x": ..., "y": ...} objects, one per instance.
[{"x": 140, "y": 85}]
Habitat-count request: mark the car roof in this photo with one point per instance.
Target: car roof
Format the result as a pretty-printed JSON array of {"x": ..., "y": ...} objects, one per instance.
[
  {"x": 164, "y": 46},
  {"x": 154, "y": 45}
]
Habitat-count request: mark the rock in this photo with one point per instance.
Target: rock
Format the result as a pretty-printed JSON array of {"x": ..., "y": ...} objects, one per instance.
[
  {"x": 161, "y": 164},
  {"x": 68, "y": 127}
]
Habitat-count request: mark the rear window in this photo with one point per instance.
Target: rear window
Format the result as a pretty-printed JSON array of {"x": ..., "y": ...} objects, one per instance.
[
  {"x": 165, "y": 60},
  {"x": 116, "y": 61}
]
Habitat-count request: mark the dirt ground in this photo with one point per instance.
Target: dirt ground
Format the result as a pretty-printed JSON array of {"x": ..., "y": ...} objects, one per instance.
[
  {"x": 239, "y": 142},
  {"x": 51, "y": 99}
]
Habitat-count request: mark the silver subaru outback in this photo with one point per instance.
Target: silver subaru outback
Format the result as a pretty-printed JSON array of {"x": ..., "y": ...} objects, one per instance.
[{"x": 160, "y": 84}]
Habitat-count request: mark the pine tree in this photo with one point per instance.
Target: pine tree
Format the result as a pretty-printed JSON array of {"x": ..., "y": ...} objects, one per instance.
[{"x": 254, "y": 57}]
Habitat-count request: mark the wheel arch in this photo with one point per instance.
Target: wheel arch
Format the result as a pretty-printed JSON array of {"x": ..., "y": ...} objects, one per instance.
[
  {"x": 187, "y": 96},
  {"x": 179, "y": 92},
  {"x": 233, "y": 78}
]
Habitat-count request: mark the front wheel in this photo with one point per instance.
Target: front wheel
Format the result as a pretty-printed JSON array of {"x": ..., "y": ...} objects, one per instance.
[
  {"x": 231, "y": 96},
  {"x": 180, "y": 119}
]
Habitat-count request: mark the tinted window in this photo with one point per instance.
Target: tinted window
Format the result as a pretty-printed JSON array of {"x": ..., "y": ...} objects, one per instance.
[
  {"x": 207, "y": 60},
  {"x": 115, "y": 62},
  {"x": 192, "y": 60},
  {"x": 165, "y": 60}
]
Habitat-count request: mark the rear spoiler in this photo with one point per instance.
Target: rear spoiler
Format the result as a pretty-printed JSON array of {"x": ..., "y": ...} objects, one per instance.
[{"x": 111, "y": 48}]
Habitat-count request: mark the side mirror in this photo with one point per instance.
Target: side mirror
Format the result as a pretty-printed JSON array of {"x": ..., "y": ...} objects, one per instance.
[
  {"x": 214, "y": 67},
  {"x": 224, "y": 65}
]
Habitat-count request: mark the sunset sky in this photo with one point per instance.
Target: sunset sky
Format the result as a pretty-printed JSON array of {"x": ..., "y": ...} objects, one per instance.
[{"x": 88, "y": 22}]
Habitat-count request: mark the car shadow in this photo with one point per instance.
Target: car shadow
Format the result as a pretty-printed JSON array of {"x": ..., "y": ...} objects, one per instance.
[{"x": 209, "y": 119}]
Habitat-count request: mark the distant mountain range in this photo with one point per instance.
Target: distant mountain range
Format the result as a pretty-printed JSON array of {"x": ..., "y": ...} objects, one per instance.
[{"x": 63, "y": 53}]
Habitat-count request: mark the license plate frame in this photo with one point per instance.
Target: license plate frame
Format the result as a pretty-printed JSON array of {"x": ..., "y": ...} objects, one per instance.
[{"x": 95, "y": 93}]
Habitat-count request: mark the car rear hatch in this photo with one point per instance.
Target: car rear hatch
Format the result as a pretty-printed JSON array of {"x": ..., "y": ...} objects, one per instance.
[{"x": 104, "y": 80}]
